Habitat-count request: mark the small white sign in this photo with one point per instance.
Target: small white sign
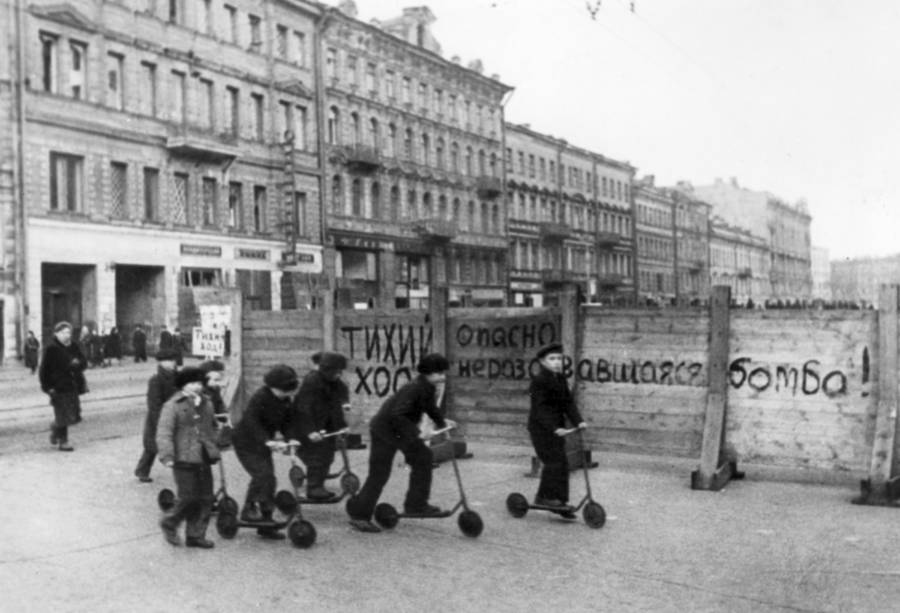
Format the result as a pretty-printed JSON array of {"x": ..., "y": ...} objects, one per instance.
[
  {"x": 215, "y": 317},
  {"x": 209, "y": 343}
]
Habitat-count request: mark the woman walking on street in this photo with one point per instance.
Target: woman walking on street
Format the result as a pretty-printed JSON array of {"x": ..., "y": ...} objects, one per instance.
[
  {"x": 62, "y": 378},
  {"x": 32, "y": 350}
]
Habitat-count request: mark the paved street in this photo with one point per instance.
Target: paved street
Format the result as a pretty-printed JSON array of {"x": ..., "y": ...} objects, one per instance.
[{"x": 80, "y": 534}]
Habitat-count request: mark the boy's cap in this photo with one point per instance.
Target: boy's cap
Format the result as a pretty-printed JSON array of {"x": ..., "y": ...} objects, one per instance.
[
  {"x": 548, "y": 349},
  {"x": 212, "y": 366},
  {"x": 330, "y": 363},
  {"x": 166, "y": 354},
  {"x": 189, "y": 374},
  {"x": 281, "y": 377},
  {"x": 432, "y": 363}
]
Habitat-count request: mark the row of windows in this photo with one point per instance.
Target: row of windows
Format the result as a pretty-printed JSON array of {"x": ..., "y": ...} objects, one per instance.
[
  {"x": 178, "y": 198},
  {"x": 572, "y": 176},
  {"x": 730, "y": 257},
  {"x": 194, "y": 100},
  {"x": 530, "y": 207},
  {"x": 654, "y": 216},
  {"x": 420, "y": 148},
  {"x": 411, "y": 272},
  {"x": 655, "y": 247},
  {"x": 368, "y": 202},
  {"x": 534, "y": 256},
  {"x": 377, "y": 82}
]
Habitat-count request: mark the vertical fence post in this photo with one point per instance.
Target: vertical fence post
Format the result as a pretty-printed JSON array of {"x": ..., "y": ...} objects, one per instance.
[
  {"x": 329, "y": 341},
  {"x": 715, "y": 470},
  {"x": 883, "y": 487},
  {"x": 437, "y": 311}
]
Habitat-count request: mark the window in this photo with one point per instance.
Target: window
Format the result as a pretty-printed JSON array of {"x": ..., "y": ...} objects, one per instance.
[
  {"x": 151, "y": 194},
  {"x": 375, "y": 200},
  {"x": 426, "y": 146},
  {"x": 206, "y": 105},
  {"x": 481, "y": 162},
  {"x": 521, "y": 163},
  {"x": 531, "y": 168},
  {"x": 370, "y": 77},
  {"x": 337, "y": 195},
  {"x": 232, "y": 24},
  {"x": 204, "y": 21},
  {"x": 453, "y": 109},
  {"x": 333, "y": 127},
  {"x": 439, "y": 153},
  {"x": 49, "y": 62},
  {"x": 468, "y": 161},
  {"x": 300, "y": 136},
  {"x": 177, "y": 97},
  {"x": 299, "y": 48},
  {"x": 115, "y": 96},
  {"x": 281, "y": 41},
  {"x": 210, "y": 199},
  {"x": 180, "y": 183},
  {"x": 258, "y": 116},
  {"x": 356, "y": 196},
  {"x": 78, "y": 70},
  {"x": 454, "y": 157},
  {"x": 66, "y": 182},
  {"x": 118, "y": 190},
  {"x": 408, "y": 144},
  {"x": 391, "y": 145},
  {"x": 390, "y": 83},
  {"x": 255, "y": 33},
  {"x": 287, "y": 119},
  {"x": 232, "y": 111},
  {"x": 438, "y": 101},
  {"x": 148, "y": 89},
  {"x": 467, "y": 113},
  {"x": 352, "y": 70},
  {"x": 235, "y": 205},
  {"x": 174, "y": 12},
  {"x": 508, "y": 160},
  {"x": 331, "y": 63},
  {"x": 423, "y": 96},
  {"x": 603, "y": 183},
  {"x": 374, "y": 137},
  {"x": 407, "y": 93},
  {"x": 356, "y": 129}
]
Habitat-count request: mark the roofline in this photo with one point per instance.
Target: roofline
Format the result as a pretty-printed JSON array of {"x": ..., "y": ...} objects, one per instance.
[{"x": 561, "y": 142}]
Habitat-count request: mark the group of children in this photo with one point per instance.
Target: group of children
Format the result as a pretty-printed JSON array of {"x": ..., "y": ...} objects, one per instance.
[{"x": 181, "y": 427}]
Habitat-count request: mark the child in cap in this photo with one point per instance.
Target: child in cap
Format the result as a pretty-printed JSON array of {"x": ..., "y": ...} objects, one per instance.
[{"x": 160, "y": 387}]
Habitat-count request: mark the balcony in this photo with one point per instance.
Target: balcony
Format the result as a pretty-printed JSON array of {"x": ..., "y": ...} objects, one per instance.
[
  {"x": 610, "y": 280},
  {"x": 607, "y": 240},
  {"x": 435, "y": 229},
  {"x": 202, "y": 144},
  {"x": 361, "y": 158},
  {"x": 745, "y": 272},
  {"x": 552, "y": 275},
  {"x": 488, "y": 188},
  {"x": 554, "y": 230},
  {"x": 694, "y": 266}
]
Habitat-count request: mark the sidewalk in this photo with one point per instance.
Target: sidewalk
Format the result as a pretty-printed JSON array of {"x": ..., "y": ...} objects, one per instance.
[{"x": 80, "y": 534}]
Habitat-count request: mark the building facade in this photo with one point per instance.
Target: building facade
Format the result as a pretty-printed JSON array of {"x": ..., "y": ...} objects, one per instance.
[
  {"x": 692, "y": 249},
  {"x": 857, "y": 280},
  {"x": 821, "y": 274},
  {"x": 785, "y": 228},
  {"x": 152, "y": 164},
  {"x": 570, "y": 219},
  {"x": 740, "y": 260},
  {"x": 413, "y": 146},
  {"x": 655, "y": 236}
]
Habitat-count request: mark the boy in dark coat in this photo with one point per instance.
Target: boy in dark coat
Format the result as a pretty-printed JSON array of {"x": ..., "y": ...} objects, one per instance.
[
  {"x": 186, "y": 442},
  {"x": 160, "y": 387},
  {"x": 396, "y": 426},
  {"x": 551, "y": 403},
  {"x": 139, "y": 343},
  {"x": 62, "y": 378},
  {"x": 268, "y": 412},
  {"x": 32, "y": 350},
  {"x": 318, "y": 406}
]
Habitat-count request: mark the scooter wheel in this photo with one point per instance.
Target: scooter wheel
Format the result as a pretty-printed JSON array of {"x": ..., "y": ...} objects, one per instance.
[
  {"x": 594, "y": 515},
  {"x": 386, "y": 515},
  {"x": 165, "y": 499},
  {"x": 302, "y": 533},
  {"x": 470, "y": 523},
  {"x": 297, "y": 477},
  {"x": 226, "y": 524},
  {"x": 229, "y": 505},
  {"x": 286, "y": 502},
  {"x": 349, "y": 484},
  {"x": 517, "y": 505}
]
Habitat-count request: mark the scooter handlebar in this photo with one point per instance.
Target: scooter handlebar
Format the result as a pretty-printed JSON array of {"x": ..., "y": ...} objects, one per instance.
[
  {"x": 340, "y": 432},
  {"x": 570, "y": 431},
  {"x": 444, "y": 430}
]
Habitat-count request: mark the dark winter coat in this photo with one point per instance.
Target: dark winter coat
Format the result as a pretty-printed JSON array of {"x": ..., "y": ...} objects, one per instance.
[
  {"x": 160, "y": 387},
  {"x": 318, "y": 405},
  {"x": 551, "y": 403},
  {"x": 399, "y": 416},
  {"x": 32, "y": 349},
  {"x": 113, "y": 345},
  {"x": 263, "y": 417},
  {"x": 139, "y": 342},
  {"x": 187, "y": 431},
  {"x": 62, "y": 369}
]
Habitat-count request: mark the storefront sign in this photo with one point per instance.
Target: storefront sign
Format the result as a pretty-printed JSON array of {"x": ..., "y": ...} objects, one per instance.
[
  {"x": 302, "y": 261},
  {"x": 206, "y": 250},
  {"x": 355, "y": 242},
  {"x": 251, "y": 254},
  {"x": 488, "y": 294},
  {"x": 525, "y": 286},
  {"x": 416, "y": 247}
]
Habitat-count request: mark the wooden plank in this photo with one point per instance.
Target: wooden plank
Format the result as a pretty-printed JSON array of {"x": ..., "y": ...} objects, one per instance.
[{"x": 714, "y": 423}]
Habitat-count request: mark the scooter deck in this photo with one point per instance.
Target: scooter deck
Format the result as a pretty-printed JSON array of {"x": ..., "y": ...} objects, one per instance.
[
  {"x": 274, "y": 525},
  {"x": 331, "y": 500},
  {"x": 558, "y": 510},
  {"x": 442, "y": 514}
]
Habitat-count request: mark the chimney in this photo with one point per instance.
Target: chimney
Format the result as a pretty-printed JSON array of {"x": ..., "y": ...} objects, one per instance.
[
  {"x": 477, "y": 66},
  {"x": 734, "y": 182}
]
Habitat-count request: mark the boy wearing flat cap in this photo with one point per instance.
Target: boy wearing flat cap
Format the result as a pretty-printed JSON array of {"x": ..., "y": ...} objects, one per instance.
[
  {"x": 318, "y": 406},
  {"x": 396, "y": 426},
  {"x": 160, "y": 388},
  {"x": 551, "y": 403},
  {"x": 186, "y": 440},
  {"x": 268, "y": 412}
]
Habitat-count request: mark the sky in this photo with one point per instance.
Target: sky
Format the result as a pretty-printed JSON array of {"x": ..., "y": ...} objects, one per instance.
[{"x": 796, "y": 97}]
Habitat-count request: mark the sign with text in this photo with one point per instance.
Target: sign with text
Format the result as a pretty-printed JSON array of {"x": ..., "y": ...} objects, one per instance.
[
  {"x": 215, "y": 317},
  {"x": 207, "y": 250},
  {"x": 209, "y": 343}
]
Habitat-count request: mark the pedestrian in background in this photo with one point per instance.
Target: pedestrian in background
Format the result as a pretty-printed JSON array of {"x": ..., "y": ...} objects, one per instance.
[
  {"x": 187, "y": 444},
  {"x": 86, "y": 342},
  {"x": 268, "y": 413},
  {"x": 139, "y": 343},
  {"x": 396, "y": 427},
  {"x": 32, "y": 350},
  {"x": 551, "y": 403},
  {"x": 113, "y": 349},
  {"x": 160, "y": 387},
  {"x": 62, "y": 378}
]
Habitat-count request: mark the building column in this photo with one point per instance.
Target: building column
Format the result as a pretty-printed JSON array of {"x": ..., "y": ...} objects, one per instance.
[
  {"x": 106, "y": 296},
  {"x": 386, "y": 280}
]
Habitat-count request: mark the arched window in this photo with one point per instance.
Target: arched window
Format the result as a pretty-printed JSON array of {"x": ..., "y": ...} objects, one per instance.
[
  {"x": 395, "y": 203},
  {"x": 337, "y": 195},
  {"x": 472, "y": 219},
  {"x": 481, "y": 162},
  {"x": 426, "y": 146},
  {"x": 334, "y": 126},
  {"x": 495, "y": 219},
  {"x": 391, "y": 144},
  {"x": 493, "y": 165},
  {"x": 374, "y": 136},
  {"x": 427, "y": 208},
  {"x": 442, "y": 207},
  {"x": 408, "y": 144},
  {"x": 468, "y": 160},
  {"x": 375, "y": 193},
  {"x": 411, "y": 204},
  {"x": 439, "y": 153},
  {"x": 356, "y": 128},
  {"x": 485, "y": 220},
  {"x": 356, "y": 198},
  {"x": 454, "y": 157},
  {"x": 456, "y": 211}
]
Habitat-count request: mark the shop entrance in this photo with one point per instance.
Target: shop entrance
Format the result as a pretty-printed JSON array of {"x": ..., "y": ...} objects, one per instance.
[
  {"x": 68, "y": 293},
  {"x": 140, "y": 299}
]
